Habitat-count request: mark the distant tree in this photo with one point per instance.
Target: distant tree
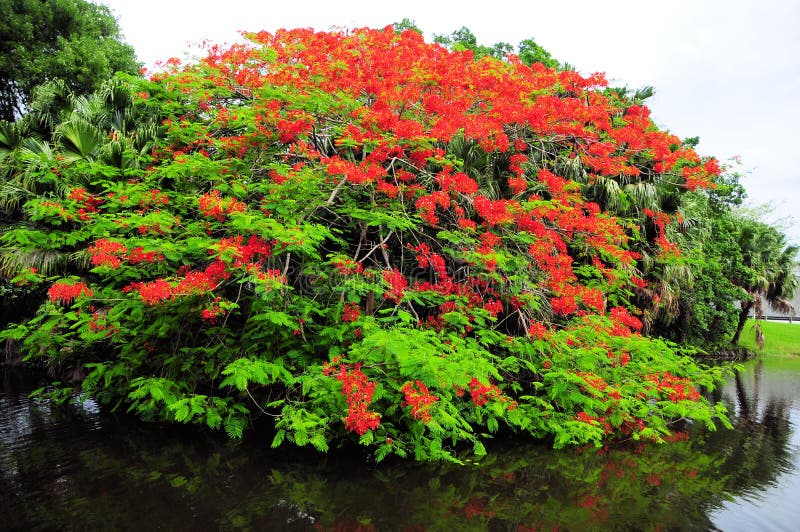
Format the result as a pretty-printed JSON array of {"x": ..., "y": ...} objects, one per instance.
[
  {"x": 464, "y": 39},
  {"x": 73, "y": 40},
  {"x": 528, "y": 51},
  {"x": 769, "y": 269},
  {"x": 406, "y": 24}
]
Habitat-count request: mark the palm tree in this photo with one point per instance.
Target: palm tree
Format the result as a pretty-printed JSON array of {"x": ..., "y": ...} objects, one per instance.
[
  {"x": 61, "y": 129},
  {"x": 769, "y": 265}
]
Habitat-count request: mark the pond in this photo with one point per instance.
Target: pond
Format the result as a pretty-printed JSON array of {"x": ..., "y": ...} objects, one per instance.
[{"x": 78, "y": 467}]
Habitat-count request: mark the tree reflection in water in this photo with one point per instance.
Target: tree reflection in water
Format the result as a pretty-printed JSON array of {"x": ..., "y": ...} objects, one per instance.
[
  {"x": 758, "y": 448},
  {"x": 77, "y": 468}
]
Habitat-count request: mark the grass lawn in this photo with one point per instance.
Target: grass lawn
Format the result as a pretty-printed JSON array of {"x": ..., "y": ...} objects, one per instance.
[{"x": 779, "y": 338}]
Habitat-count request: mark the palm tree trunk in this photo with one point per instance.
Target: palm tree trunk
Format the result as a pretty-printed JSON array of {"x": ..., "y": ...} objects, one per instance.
[{"x": 745, "y": 312}]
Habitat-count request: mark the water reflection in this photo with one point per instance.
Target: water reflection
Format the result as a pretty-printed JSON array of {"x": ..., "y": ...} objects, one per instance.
[
  {"x": 765, "y": 446},
  {"x": 759, "y": 447},
  {"x": 76, "y": 468}
]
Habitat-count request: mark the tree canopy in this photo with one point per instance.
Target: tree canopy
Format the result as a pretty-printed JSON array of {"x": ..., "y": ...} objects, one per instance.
[
  {"x": 73, "y": 40},
  {"x": 366, "y": 237}
]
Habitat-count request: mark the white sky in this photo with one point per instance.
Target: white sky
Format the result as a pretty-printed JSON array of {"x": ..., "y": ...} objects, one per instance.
[{"x": 727, "y": 71}]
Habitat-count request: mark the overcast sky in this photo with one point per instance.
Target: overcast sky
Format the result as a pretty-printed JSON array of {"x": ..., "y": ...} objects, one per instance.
[{"x": 726, "y": 71}]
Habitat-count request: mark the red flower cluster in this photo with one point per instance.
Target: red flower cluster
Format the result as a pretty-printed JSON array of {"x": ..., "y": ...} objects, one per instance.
[
  {"x": 211, "y": 313},
  {"x": 419, "y": 399},
  {"x": 494, "y": 307},
  {"x": 351, "y": 313},
  {"x": 489, "y": 243},
  {"x": 106, "y": 252},
  {"x": 427, "y": 259},
  {"x": 624, "y": 322},
  {"x": 677, "y": 388},
  {"x": 495, "y": 212},
  {"x": 155, "y": 292},
  {"x": 459, "y": 182},
  {"x": 289, "y": 130},
  {"x": 215, "y": 206},
  {"x": 537, "y": 330},
  {"x": 138, "y": 254},
  {"x": 88, "y": 203},
  {"x": 481, "y": 393},
  {"x": 66, "y": 292},
  {"x": 397, "y": 285},
  {"x": 244, "y": 252},
  {"x": 195, "y": 283},
  {"x": 563, "y": 305},
  {"x": 192, "y": 283},
  {"x": 426, "y": 205},
  {"x": 359, "y": 391},
  {"x": 661, "y": 220},
  {"x": 109, "y": 253},
  {"x": 347, "y": 266}
]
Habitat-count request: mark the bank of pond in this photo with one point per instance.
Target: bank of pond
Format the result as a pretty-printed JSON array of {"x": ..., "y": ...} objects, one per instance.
[{"x": 79, "y": 467}]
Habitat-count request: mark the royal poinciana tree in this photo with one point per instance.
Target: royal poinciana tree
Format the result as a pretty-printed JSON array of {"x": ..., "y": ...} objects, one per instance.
[{"x": 364, "y": 236}]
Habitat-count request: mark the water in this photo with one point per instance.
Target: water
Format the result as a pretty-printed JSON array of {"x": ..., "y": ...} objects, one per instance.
[{"x": 82, "y": 469}]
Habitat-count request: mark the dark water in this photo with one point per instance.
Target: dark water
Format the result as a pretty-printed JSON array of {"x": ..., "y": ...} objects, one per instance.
[{"x": 82, "y": 469}]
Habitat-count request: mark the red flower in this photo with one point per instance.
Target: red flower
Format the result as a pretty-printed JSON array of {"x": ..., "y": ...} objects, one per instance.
[
  {"x": 348, "y": 266},
  {"x": 537, "y": 330},
  {"x": 420, "y": 400},
  {"x": 397, "y": 285},
  {"x": 65, "y": 292},
  {"x": 105, "y": 252},
  {"x": 211, "y": 313},
  {"x": 624, "y": 322},
  {"x": 464, "y": 184},
  {"x": 351, "y": 313},
  {"x": 494, "y": 307},
  {"x": 215, "y": 206},
  {"x": 494, "y": 211},
  {"x": 138, "y": 255},
  {"x": 358, "y": 391},
  {"x": 481, "y": 393},
  {"x": 155, "y": 292},
  {"x": 564, "y": 305}
]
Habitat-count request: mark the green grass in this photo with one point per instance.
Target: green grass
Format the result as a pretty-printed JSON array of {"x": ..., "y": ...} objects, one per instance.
[{"x": 779, "y": 338}]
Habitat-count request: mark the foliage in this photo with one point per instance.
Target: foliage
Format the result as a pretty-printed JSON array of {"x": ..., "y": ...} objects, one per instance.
[
  {"x": 368, "y": 238},
  {"x": 698, "y": 303},
  {"x": 76, "y": 41}
]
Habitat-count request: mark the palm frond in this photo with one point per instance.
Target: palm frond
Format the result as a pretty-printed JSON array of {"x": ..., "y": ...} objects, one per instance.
[
  {"x": 79, "y": 139},
  {"x": 47, "y": 261}
]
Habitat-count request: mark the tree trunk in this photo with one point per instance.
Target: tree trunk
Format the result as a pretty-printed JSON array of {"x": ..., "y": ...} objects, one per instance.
[{"x": 746, "y": 306}]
